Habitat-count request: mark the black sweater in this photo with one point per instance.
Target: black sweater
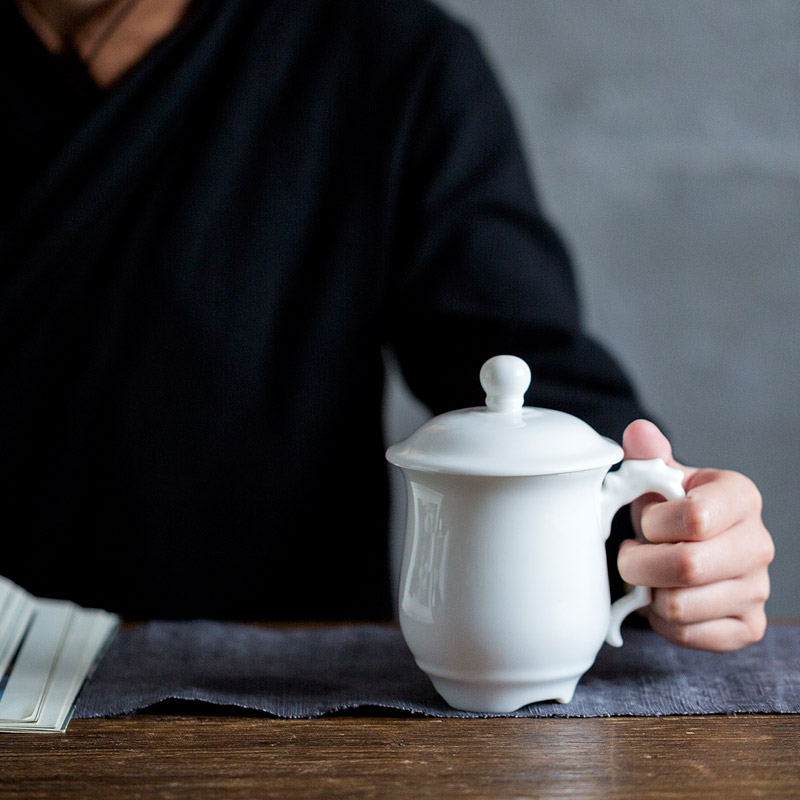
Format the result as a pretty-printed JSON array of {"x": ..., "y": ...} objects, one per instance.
[{"x": 198, "y": 272}]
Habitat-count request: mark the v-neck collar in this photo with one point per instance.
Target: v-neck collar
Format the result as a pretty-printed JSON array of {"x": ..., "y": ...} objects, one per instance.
[
  {"x": 140, "y": 115},
  {"x": 95, "y": 112},
  {"x": 113, "y": 39}
]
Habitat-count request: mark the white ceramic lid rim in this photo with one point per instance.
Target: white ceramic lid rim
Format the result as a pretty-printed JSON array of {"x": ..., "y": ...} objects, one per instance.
[{"x": 407, "y": 456}]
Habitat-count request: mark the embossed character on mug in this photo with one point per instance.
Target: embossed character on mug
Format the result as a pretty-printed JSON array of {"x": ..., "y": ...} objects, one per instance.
[{"x": 504, "y": 595}]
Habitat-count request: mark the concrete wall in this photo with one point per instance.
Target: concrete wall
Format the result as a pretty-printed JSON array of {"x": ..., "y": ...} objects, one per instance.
[{"x": 665, "y": 142}]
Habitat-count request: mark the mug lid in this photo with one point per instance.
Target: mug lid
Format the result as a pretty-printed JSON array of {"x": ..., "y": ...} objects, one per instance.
[{"x": 504, "y": 437}]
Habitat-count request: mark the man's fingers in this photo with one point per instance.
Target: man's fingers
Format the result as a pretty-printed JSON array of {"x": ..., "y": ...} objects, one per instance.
[
  {"x": 696, "y": 563},
  {"x": 705, "y": 555},
  {"x": 719, "y": 635},
  {"x": 716, "y": 501},
  {"x": 731, "y": 598}
]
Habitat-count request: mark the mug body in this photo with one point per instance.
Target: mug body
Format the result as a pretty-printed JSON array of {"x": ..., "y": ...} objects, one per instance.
[{"x": 504, "y": 596}]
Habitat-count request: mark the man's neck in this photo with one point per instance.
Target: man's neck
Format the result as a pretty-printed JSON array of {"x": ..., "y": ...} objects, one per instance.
[
  {"x": 57, "y": 22},
  {"x": 109, "y": 36}
]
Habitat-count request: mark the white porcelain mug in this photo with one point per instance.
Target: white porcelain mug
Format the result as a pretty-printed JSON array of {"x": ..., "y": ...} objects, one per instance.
[{"x": 504, "y": 594}]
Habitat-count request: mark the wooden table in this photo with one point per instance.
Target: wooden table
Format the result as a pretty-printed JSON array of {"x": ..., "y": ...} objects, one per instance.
[
  {"x": 178, "y": 754},
  {"x": 251, "y": 757}
]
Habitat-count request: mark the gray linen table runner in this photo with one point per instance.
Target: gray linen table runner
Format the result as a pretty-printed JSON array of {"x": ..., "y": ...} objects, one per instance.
[{"x": 308, "y": 672}]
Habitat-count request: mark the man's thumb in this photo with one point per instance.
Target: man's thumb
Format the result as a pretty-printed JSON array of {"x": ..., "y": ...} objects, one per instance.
[{"x": 643, "y": 439}]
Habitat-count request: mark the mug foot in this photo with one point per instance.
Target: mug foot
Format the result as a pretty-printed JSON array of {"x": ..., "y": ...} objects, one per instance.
[{"x": 502, "y": 698}]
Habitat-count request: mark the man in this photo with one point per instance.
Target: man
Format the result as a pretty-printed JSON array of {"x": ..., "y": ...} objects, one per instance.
[{"x": 216, "y": 216}]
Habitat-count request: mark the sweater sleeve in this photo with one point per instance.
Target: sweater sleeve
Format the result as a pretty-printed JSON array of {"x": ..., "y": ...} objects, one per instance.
[{"x": 478, "y": 270}]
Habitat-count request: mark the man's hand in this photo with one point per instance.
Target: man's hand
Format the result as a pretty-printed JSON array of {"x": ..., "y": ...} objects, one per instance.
[{"x": 708, "y": 553}]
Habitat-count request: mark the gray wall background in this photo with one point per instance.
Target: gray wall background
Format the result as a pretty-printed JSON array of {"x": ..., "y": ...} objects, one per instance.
[{"x": 665, "y": 143}]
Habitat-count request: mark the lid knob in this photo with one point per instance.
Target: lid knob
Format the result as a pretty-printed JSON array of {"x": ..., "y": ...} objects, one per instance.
[{"x": 505, "y": 379}]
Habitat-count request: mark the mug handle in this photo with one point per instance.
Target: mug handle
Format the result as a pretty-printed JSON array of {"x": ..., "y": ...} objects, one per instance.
[{"x": 634, "y": 478}]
